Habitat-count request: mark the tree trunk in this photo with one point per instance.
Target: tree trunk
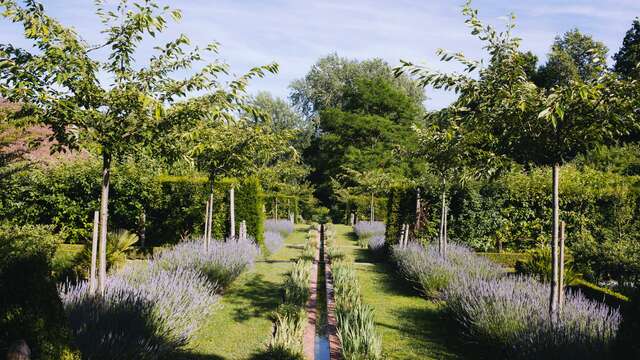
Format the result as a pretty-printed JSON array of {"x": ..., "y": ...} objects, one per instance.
[
  {"x": 373, "y": 214},
  {"x": 232, "y": 215},
  {"x": 553, "y": 302},
  {"x": 445, "y": 231},
  {"x": 94, "y": 252},
  {"x": 442, "y": 224},
  {"x": 104, "y": 214},
  {"x": 142, "y": 228},
  {"x": 276, "y": 209},
  {"x": 561, "y": 269}
]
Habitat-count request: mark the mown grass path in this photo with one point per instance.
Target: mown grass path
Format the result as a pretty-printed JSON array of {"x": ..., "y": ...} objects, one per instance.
[
  {"x": 411, "y": 327},
  {"x": 242, "y": 327}
]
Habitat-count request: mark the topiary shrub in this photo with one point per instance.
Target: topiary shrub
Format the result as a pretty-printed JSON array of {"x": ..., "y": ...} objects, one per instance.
[{"x": 249, "y": 207}]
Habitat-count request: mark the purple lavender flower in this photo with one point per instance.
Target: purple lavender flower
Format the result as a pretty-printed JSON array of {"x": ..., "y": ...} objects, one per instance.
[
  {"x": 284, "y": 227},
  {"x": 369, "y": 228},
  {"x": 222, "y": 263},
  {"x": 273, "y": 241},
  {"x": 376, "y": 243}
]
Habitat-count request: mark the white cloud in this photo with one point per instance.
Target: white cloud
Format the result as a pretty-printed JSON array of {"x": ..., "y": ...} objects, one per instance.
[{"x": 296, "y": 33}]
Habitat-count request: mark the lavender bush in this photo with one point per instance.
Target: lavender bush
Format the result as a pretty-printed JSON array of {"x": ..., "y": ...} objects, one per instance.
[
  {"x": 376, "y": 243},
  {"x": 273, "y": 241},
  {"x": 182, "y": 296},
  {"x": 432, "y": 273},
  {"x": 511, "y": 315},
  {"x": 366, "y": 229},
  {"x": 145, "y": 314},
  {"x": 222, "y": 263},
  {"x": 284, "y": 227}
]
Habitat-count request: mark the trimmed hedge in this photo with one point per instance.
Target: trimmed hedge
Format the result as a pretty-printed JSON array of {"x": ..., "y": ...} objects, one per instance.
[
  {"x": 249, "y": 204},
  {"x": 65, "y": 196}
]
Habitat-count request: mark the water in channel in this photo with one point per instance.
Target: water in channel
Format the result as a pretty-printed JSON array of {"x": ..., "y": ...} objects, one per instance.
[{"x": 322, "y": 338}]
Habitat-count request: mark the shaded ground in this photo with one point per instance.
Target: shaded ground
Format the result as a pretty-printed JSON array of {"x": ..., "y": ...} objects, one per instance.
[
  {"x": 411, "y": 327},
  {"x": 242, "y": 327}
]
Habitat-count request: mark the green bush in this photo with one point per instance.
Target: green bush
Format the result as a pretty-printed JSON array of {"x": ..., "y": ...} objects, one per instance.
[
  {"x": 66, "y": 195},
  {"x": 119, "y": 244},
  {"x": 249, "y": 201},
  {"x": 538, "y": 265},
  {"x": 30, "y": 308}
]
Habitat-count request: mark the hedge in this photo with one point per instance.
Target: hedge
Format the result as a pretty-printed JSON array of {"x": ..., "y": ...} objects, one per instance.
[
  {"x": 65, "y": 196},
  {"x": 249, "y": 204}
]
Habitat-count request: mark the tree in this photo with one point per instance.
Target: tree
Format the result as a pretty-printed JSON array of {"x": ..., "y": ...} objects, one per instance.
[
  {"x": 59, "y": 84},
  {"x": 370, "y": 182},
  {"x": 628, "y": 57},
  {"x": 514, "y": 117},
  {"x": 332, "y": 77},
  {"x": 375, "y": 116},
  {"x": 574, "y": 56},
  {"x": 281, "y": 116},
  {"x": 442, "y": 144}
]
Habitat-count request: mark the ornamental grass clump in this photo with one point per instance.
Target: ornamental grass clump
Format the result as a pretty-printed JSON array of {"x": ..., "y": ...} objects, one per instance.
[
  {"x": 297, "y": 283},
  {"x": 286, "y": 342},
  {"x": 355, "y": 320},
  {"x": 284, "y": 227},
  {"x": 273, "y": 241},
  {"x": 510, "y": 316},
  {"x": 222, "y": 263},
  {"x": 145, "y": 313},
  {"x": 365, "y": 229}
]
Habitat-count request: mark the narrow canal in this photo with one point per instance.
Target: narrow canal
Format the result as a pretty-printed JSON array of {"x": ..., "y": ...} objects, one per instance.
[{"x": 322, "y": 339}]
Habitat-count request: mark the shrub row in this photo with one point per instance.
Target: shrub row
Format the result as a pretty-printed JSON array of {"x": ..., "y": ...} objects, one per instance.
[
  {"x": 509, "y": 314},
  {"x": 601, "y": 208},
  {"x": 169, "y": 208}
]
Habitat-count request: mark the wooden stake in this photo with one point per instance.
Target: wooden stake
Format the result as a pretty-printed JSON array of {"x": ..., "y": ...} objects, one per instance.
[
  {"x": 232, "y": 210},
  {"x": 561, "y": 272},
  {"x": 206, "y": 225},
  {"x": 553, "y": 296},
  {"x": 373, "y": 215},
  {"x": 418, "y": 211},
  {"x": 406, "y": 235},
  {"x": 94, "y": 253}
]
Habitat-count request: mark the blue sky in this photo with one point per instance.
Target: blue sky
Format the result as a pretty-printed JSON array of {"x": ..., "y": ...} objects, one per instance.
[{"x": 296, "y": 33}]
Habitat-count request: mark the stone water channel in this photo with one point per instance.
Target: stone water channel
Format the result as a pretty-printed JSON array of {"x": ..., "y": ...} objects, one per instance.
[{"x": 321, "y": 312}]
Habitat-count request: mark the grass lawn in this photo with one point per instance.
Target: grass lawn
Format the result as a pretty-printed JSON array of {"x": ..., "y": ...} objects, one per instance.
[
  {"x": 242, "y": 327},
  {"x": 411, "y": 327}
]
